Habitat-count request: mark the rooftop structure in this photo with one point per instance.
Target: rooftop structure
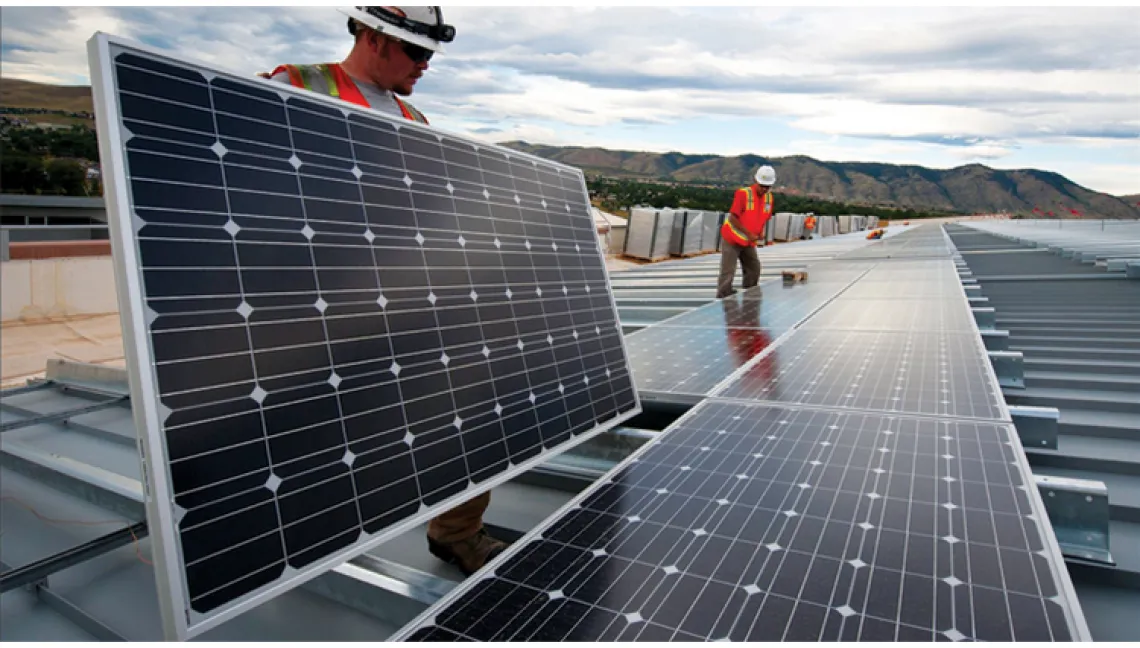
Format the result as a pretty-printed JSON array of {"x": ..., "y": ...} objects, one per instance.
[{"x": 75, "y": 549}]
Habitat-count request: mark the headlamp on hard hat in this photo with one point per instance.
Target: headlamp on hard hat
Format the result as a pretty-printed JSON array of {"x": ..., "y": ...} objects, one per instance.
[{"x": 438, "y": 31}]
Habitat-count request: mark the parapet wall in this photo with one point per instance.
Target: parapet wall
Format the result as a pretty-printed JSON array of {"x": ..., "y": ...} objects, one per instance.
[{"x": 35, "y": 289}]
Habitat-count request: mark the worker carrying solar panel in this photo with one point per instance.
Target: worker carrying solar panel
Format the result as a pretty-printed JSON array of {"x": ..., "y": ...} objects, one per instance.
[
  {"x": 751, "y": 210},
  {"x": 390, "y": 53}
]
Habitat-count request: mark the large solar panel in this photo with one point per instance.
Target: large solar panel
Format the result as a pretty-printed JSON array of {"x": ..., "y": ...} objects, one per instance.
[
  {"x": 755, "y": 522},
  {"x": 339, "y": 323},
  {"x": 931, "y": 373}
]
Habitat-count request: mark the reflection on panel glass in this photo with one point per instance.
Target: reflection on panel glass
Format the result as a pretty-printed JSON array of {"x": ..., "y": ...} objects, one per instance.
[
  {"x": 692, "y": 360},
  {"x": 905, "y": 287},
  {"x": 877, "y": 314},
  {"x": 773, "y": 306},
  {"x": 890, "y": 371}
]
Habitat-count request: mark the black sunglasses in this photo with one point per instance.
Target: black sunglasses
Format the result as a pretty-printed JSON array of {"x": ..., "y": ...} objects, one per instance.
[{"x": 416, "y": 53}]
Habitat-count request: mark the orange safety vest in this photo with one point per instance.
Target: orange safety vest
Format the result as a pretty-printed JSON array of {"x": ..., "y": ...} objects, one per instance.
[
  {"x": 753, "y": 219},
  {"x": 809, "y": 222},
  {"x": 340, "y": 85}
]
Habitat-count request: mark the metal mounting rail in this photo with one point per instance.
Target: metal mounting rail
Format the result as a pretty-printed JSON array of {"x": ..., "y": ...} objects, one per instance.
[
  {"x": 27, "y": 389},
  {"x": 71, "y": 611},
  {"x": 41, "y": 569},
  {"x": 64, "y": 415}
]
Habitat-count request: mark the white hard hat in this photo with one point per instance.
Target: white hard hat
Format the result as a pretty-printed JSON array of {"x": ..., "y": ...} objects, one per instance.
[
  {"x": 421, "y": 26},
  {"x": 766, "y": 176}
]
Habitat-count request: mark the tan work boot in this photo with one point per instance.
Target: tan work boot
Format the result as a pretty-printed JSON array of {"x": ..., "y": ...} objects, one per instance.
[{"x": 468, "y": 555}]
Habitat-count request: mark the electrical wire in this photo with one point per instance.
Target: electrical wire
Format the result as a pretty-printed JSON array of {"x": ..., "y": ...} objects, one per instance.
[{"x": 60, "y": 522}]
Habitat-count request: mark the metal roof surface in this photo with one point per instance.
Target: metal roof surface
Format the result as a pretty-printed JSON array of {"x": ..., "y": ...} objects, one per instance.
[
  {"x": 74, "y": 479},
  {"x": 1078, "y": 327}
]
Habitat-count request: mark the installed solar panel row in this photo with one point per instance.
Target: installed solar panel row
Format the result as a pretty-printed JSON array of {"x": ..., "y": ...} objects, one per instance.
[
  {"x": 757, "y": 522},
  {"x": 873, "y": 489}
]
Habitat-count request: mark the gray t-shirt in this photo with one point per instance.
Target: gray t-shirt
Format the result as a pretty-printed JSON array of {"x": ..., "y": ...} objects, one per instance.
[{"x": 379, "y": 99}]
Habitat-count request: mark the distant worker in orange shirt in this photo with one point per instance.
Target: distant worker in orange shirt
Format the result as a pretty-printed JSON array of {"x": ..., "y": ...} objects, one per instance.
[
  {"x": 751, "y": 209},
  {"x": 809, "y": 227}
]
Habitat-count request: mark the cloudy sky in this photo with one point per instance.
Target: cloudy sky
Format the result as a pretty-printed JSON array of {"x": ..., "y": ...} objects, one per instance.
[{"x": 1049, "y": 88}]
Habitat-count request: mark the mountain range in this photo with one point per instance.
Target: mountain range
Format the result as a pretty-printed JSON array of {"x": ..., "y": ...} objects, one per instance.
[{"x": 973, "y": 188}]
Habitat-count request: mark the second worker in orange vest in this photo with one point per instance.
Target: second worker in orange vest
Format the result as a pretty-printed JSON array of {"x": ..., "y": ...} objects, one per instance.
[
  {"x": 744, "y": 227},
  {"x": 390, "y": 53}
]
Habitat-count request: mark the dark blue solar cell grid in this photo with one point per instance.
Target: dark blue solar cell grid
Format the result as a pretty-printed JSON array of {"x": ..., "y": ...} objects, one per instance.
[
  {"x": 766, "y": 523},
  {"x": 350, "y": 320}
]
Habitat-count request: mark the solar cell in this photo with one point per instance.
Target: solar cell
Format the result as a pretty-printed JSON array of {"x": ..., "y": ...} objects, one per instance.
[
  {"x": 338, "y": 322},
  {"x": 915, "y": 372},
  {"x": 672, "y": 361},
  {"x": 753, "y": 522}
]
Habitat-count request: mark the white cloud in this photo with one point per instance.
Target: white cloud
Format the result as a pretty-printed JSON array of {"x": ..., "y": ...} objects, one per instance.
[
  {"x": 864, "y": 118},
  {"x": 939, "y": 85},
  {"x": 983, "y": 152},
  {"x": 52, "y": 47},
  {"x": 1115, "y": 179}
]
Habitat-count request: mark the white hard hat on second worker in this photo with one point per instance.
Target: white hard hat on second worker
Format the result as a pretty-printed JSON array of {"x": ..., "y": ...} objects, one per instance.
[
  {"x": 766, "y": 176},
  {"x": 421, "y": 26}
]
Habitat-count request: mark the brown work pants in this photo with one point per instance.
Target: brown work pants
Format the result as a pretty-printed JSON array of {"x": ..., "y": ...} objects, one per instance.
[
  {"x": 730, "y": 253},
  {"x": 461, "y": 522}
]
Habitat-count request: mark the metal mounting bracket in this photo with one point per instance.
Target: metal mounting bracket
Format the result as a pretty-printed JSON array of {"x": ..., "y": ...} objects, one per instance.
[{"x": 1078, "y": 511}]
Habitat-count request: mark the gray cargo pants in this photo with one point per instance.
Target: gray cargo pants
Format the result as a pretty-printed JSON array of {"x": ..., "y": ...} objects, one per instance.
[{"x": 749, "y": 264}]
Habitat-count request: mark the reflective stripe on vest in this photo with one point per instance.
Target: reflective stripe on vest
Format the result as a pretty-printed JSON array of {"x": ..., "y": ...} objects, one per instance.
[
  {"x": 409, "y": 111},
  {"x": 750, "y": 204},
  {"x": 743, "y": 238},
  {"x": 340, "y": 86}
]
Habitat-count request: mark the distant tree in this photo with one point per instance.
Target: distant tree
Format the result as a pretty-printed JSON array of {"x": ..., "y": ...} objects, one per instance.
[
  {"x": 66, "y": 178},
  {"x": 75, "y": 142},
  {"x": 20, "y": 172}
]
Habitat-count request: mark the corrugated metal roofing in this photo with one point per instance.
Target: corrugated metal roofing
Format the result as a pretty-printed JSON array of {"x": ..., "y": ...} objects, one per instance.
[{"x": 1078, "y": 327}]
